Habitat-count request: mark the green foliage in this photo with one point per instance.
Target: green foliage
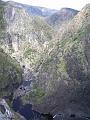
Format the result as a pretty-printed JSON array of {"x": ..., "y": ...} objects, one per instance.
[
  {"x": 62, "y": 66},
  {"x": 2, "y": 21},
  {"x": 36, "y": 95},
  {"x": 29, "y": 51},
  {"x": 68, "y": 59},
  {"x": 10, "y": 74},
  {"x": 45, "y": 31},
  {"x": 47, "y": 64}
]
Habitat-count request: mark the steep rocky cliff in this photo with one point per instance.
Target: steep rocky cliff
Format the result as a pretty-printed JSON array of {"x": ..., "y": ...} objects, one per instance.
[
  {"x": 25, "y": 37},
  {"x": 6, "y": 113},
  {"x": 10, "y": 73},
  {"x": 63, "y": 74}
]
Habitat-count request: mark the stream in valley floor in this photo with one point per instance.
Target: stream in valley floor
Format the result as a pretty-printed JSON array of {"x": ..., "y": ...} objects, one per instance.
[{"x": 25, "y": 110}]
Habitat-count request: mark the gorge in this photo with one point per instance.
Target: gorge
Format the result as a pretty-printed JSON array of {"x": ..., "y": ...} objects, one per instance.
[{"x": 44, "y": 63}]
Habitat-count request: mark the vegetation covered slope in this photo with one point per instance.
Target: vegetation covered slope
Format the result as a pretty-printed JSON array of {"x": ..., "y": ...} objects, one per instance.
[
  {"x": 10, "y": 71},
  {"x": 63, "y": 75},
  {"x": 61, "y": 16},
  {"x": 10, "y": 74},
  {"x": 2, "y": 22}
]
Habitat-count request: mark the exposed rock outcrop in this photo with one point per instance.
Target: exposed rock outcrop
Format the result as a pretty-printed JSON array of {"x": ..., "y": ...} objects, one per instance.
[
  {"x": 6, "y": 113},
  {"x": 24, "y": 37}
]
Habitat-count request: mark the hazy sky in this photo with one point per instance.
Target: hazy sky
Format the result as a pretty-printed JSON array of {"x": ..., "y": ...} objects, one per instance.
[{"x": 56, "y": 4}]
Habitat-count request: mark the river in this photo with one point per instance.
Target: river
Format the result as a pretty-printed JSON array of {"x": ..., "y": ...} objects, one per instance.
[{"x": 25, "y": 110}]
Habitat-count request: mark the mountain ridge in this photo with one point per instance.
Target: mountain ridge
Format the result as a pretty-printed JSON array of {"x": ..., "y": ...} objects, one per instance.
[
  {"x": 34, "y": 10},
  {"x": 61, "y": 16}
]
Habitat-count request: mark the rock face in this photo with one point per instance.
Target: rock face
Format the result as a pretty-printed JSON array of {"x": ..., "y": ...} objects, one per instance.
[
  {"x": 25, "y": 36},
  {"x": 6, "y": 113},
  {"x": 63, "y": 75},
  {"x": 10, "y": 70},
  {"x": 62, "y": 16}
]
